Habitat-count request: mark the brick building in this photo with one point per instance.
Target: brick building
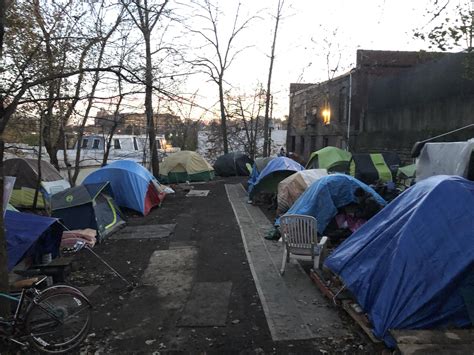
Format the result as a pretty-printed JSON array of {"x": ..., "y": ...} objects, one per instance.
[
  {"x": 132, "y": 123},
  {"x": 387, "y": 102}
]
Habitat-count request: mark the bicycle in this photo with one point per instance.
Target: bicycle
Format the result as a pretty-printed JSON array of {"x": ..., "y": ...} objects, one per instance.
[{"x": 54, "y": 320}]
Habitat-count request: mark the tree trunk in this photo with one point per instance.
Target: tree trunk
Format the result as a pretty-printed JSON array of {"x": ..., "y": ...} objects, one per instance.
[
  {"x": 4, "y": 116},
  {"x": 155, "y": 167},
  {"x": 266, "y": 122},
  {"x": 65, "y": 157},
  {"x": 4, "y": 286},
  {"x": 223, "y": 117},
  {"x": 40, "y": 151}
]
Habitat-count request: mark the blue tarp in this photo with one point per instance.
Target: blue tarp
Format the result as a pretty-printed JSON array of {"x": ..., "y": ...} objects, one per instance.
[
  {"x": 277, "y": 164},
  {"x": 322, "y": 199},
  {"x": 407, "y": 266},
  {"x": 129, "y": 182},
  {"x": 23, "y": 230},
  {"x": 253, "y": 177}
]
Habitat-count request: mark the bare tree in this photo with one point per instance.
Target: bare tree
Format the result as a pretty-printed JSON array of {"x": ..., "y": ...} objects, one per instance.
[
  {"x": 266, "y": 145},
  {"x": 247, "y": 112},
  {"x": 114, "y": 124},
  {"x": 186, "y": 130},
  {"x": 145, "y": 15},
  {"x": 103, "y": 43},
  {"x": 224, "y": 51},
  {"x": 21, "y": 76}
]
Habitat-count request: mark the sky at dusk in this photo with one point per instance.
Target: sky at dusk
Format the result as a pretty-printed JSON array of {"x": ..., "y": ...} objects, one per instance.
[{"x": 311, "y": 29}]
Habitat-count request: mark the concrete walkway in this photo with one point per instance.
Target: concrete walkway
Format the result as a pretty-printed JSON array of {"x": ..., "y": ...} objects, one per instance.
[{"x": 293, "y": 306}]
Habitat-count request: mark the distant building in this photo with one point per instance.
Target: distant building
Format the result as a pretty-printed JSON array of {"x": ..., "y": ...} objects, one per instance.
[
  {"x": 387, "y": 102},
  {"x": 131, "y": 123}
]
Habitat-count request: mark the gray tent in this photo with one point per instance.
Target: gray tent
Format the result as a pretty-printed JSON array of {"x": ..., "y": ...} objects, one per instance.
[
  {"x": 88, "y": 206},
  {"x": 26, "y": 173},
  {"x": 261, "y": 163}
]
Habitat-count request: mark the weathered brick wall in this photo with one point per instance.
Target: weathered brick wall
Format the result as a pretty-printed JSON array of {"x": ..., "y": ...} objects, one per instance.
[{"x": 394, "y": 105}]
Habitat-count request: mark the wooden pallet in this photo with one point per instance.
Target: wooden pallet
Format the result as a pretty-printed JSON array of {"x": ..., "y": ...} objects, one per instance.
[
  {"x": 454, "y": 341},
  {"x": 346, "y": 304}
]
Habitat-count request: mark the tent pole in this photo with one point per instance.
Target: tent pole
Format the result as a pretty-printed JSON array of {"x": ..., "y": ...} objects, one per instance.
[{"x": 110, "y": 267}]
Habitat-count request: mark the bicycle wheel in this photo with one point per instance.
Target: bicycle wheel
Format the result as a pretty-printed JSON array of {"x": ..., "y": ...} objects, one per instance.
[{"x": 58, "y": 322}]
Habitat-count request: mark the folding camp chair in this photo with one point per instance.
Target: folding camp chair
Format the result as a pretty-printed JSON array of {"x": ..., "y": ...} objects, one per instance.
[{"x": 300, "y": 238}]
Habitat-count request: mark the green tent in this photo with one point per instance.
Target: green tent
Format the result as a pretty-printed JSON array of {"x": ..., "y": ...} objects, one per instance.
[
  {"x": 330, "y": 158},
  {"x": 408, "y": 171},
  {"x": 373, "y": 167},
  {"x": 26, "y": 175},
  {"x": 88, "y": 206},
  {"x": 406, "y": 175},
  {"x": 185, "y": 166}
]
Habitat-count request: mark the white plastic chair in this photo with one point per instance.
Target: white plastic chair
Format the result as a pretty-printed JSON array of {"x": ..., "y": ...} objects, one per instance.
[{"x": 300, "y": 238}]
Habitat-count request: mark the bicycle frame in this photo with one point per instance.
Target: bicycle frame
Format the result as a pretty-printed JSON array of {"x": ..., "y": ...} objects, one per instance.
[
  {"x": 12, "y": 323},
  {"x": 13, "y": 328}
]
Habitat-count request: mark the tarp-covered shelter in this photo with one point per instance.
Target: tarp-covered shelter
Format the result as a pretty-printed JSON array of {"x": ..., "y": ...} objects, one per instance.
[
  {"x": 185, "y": 166},
  {"x": 132, "y": 185},
  {"x": 275, "y": 171},
  {"x": 322, "y": 199},
  {"x": 258, "y": 166},
  {"x": 448, "y": 158},
  {"x": 26, "y": 173},
  {"x": 370, "y": 168},
  {"x": 412, "y": 265},
  {"x": 294, "y": 185},
  {"x": 330, "y": 158},
  {"x": 88, "y": 206},
  {"x": 32, "y": 235},
  {"x": 232, "y": 164}
]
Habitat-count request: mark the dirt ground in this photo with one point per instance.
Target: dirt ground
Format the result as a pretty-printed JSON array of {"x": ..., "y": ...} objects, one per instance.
[{"x": 144, "y": 321}]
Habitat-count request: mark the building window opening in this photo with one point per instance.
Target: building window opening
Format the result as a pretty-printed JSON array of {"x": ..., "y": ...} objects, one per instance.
[
  {"x": 96, "y": 143},
  {"x": 302, "y": 146},
  {"x": 117, "y": 144},
  {"x": 326, "y": 116},
  {"x": 135, "y": 143},
  {"x": 84, "y": 143},
  {"x": 313, "y": 143},
  {"x": 293, "y": 143}
]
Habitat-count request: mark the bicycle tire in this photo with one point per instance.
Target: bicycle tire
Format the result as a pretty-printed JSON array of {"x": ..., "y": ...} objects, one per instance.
[
  {"x": 59, "y": 288},
  {"x": 49, "y": 317}
]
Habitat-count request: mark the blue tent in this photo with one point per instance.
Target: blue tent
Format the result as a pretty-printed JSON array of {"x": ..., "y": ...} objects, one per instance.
[
  {"x": 32, "y": 234},
  {"x": 132, "y": 185},
  {"x": 322, "y": 199},
  {"x": 409, "y": 266},
  {"x": 274, "y": 172}
]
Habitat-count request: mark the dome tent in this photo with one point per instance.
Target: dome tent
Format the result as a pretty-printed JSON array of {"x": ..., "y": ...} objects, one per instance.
[
  {"x": 331, "y": 158},
  {"x": 185, "y": 166},
  {"x": 88, "y": 206},
  {"x": 28, "y": 234},
  {"x": 26, "y": 173},
  {"x": 232, "y": 164},
  {"x": 294, "y": 185},
  {"x": 411, "y": 266},
  {"x": 323, "y": 198},
  {"x": 132, "y": 185},
  {"x": 274, "y": 172},
  {"x": 373, "y": 167}
]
